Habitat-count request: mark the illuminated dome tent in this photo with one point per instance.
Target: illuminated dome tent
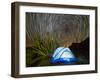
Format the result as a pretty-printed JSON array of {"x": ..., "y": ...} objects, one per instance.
[{"x": 63, "y": 55}]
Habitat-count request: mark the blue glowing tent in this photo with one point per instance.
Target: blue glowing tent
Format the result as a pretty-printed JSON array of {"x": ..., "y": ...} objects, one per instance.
[{"x": 63, "y": 55}]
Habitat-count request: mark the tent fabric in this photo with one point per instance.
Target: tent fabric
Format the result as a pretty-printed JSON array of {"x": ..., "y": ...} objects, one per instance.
[{"x": 63, "y": 55}]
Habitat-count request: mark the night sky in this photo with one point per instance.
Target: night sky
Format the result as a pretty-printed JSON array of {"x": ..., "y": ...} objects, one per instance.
[{"x": 70, "y": 28}]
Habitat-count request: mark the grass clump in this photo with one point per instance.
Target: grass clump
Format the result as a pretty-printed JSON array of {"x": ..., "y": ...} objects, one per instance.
[{"x": 43, "y": 47}]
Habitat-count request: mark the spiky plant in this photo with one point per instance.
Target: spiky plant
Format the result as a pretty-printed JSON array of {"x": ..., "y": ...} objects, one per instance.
[{"x": 44, "y": 48}]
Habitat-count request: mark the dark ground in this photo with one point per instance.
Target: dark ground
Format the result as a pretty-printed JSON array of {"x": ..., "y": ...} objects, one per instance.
[{"x": 81, "y": 50}]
